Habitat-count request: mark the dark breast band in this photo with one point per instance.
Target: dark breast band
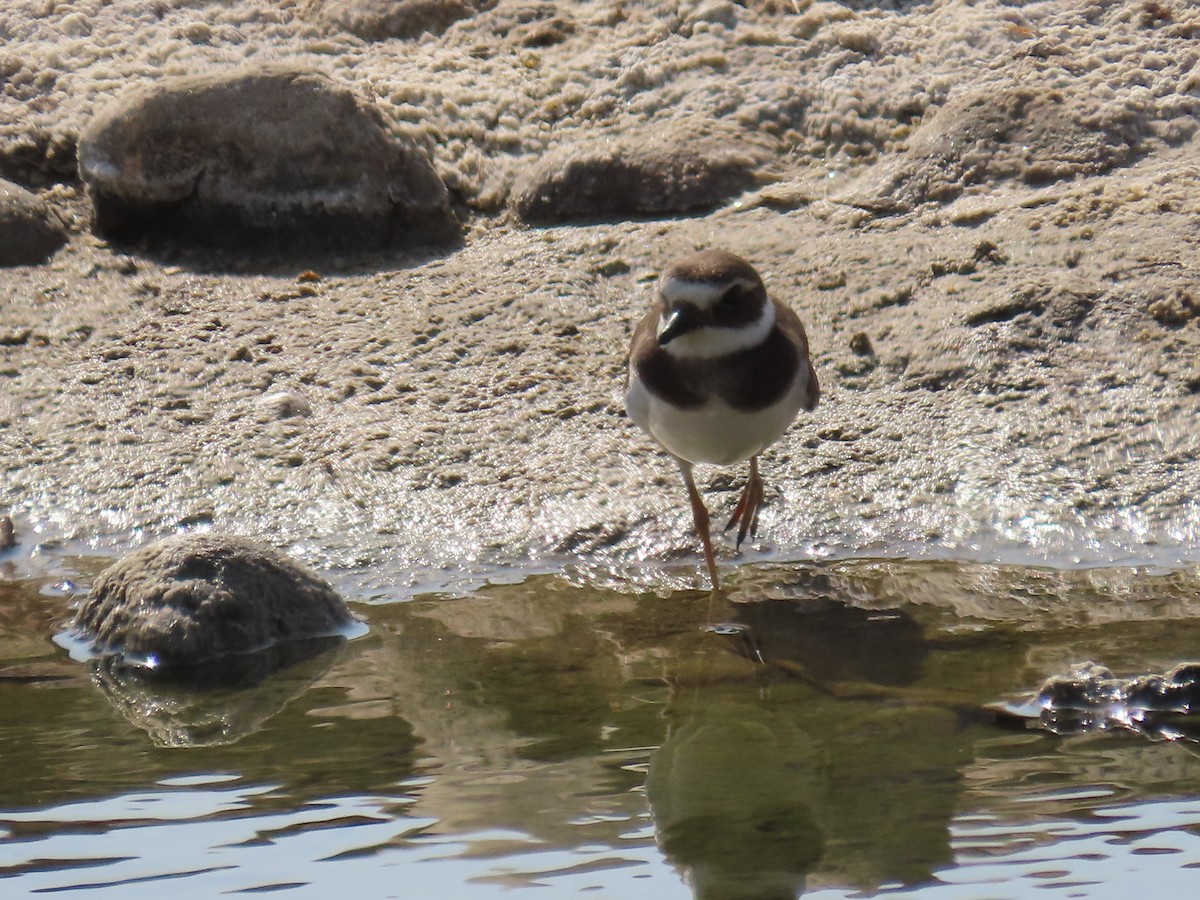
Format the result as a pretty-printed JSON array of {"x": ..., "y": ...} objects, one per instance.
[{"x": 748, "y": 380}]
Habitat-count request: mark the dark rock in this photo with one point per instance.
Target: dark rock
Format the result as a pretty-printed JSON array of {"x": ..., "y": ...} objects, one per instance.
[
  {"x": 1185, "y": 675},
  {"x": 1176, "y": 691},
  {"x": 267, "y": 156},
  {"x": 379, "y": 20},
  {"x": 1090, "y": 698},
  {"x": 29, "y": 230},
  {"x": 991, "y": 135},
  {"x": 1087, "y": 686},
  {"x": 616, "y": 179},
  {"x": 860, "y": 344},
  {"x": 191, "y": 599}
]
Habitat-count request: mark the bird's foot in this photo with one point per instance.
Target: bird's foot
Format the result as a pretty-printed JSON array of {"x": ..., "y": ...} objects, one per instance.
[{"x": 745, "y": 515}]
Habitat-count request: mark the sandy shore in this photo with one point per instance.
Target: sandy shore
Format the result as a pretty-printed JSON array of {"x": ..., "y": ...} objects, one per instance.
[{"x": 988, "y": 218}]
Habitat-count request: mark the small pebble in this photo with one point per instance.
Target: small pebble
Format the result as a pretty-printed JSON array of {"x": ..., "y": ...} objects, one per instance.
[{"x": 283, "y": 405}]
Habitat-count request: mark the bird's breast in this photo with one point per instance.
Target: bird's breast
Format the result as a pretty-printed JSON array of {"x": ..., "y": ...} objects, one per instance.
[
  {"x": 748, "y": 380},
  {"x": 713, "y": 431}
]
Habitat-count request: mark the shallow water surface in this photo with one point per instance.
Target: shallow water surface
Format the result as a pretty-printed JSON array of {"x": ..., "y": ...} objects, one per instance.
[{"x": 819, "y": 731}]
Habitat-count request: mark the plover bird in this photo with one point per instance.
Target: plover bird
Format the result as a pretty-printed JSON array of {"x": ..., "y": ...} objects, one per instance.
[{"x": 717, "y": 372}]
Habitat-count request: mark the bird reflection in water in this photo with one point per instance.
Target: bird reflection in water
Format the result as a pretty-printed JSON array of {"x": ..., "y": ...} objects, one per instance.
[{"x": 797, "y": 776}]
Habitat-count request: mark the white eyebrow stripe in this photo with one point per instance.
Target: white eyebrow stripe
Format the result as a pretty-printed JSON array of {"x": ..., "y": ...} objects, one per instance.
[{"x": 700, "y": 293}]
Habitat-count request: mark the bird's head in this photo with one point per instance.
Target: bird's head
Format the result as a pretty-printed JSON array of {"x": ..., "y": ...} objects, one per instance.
[{"x": 712, "y": 304}]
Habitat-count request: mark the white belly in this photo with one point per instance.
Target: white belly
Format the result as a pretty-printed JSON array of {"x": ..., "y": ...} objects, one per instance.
[{"x": 714, "y": 433}]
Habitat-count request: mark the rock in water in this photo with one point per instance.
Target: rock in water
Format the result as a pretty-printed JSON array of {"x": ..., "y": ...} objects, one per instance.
[
  {"x": 195, "y": 598},
  {"x": 29, "y": 231},
  {"x": 268, "y": 155},
  {"x": 1089, "y": 697}
]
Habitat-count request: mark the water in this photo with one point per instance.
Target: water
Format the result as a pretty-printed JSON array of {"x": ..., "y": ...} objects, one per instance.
[{"x": 822, "y": 732}]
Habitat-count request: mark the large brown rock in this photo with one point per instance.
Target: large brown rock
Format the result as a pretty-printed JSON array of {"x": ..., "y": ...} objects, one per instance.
[
  {"x": 191, "y": 599},
  {"x": 629, "y": 177},
  {"x": 270, "y": 155},
  {"x": 29, "y": 230}
]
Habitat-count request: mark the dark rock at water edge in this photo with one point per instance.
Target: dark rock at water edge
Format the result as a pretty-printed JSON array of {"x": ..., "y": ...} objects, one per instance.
[
  {"x": 1089, "y": 697},
  {"x": 191, "y": 599},
  {"x": 30, "y": 232},
  {"x": 613, "y": 179},
  {"x": 268, "y": 157},
  {"x": 379, "y": 20}
]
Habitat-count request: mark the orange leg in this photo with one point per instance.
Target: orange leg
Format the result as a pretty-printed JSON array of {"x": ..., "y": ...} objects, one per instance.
[
  {"x": 700, "y": 516},
  {"x": 746, "y": 511}
]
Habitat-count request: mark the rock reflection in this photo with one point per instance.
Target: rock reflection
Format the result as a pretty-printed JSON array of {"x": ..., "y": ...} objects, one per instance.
[{"x": 215, "y": 704}]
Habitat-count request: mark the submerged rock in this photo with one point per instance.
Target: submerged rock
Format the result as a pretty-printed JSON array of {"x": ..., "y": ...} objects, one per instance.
[
  {"x": 1090, "y": 697},
  {"x": 613, "y": 179},
  {"x": 191, "y": 599},
  {"x": 1088, "y": 685},
  {"x": 29, "y": 230},
  {"x": 267, "y": 156}
]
